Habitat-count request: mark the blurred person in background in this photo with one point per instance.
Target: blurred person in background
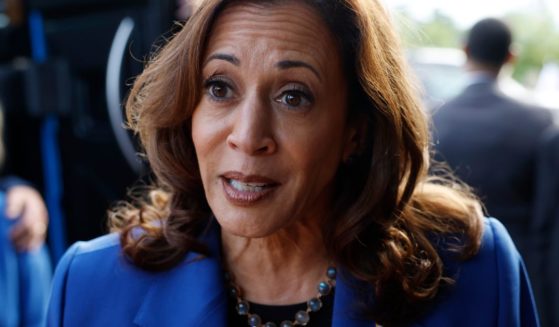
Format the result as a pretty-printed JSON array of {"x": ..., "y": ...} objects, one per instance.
[
  {"x": 25, "y": 266},
  {"x": 25, "y": 269},
  {"x": 13, "y": 36},
  {"x": 24, "y": 204},
  {"x": 490, "y": 139},
  {"x": 546, "y": 226}
]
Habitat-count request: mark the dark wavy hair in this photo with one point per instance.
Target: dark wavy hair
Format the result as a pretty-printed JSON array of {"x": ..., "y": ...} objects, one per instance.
[{"x": 388, "y": 211}]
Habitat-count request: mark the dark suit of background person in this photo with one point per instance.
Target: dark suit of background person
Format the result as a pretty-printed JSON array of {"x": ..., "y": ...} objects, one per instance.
[
  {"x": 489, "y": 139},
  {"x": 546, "y": 225}
]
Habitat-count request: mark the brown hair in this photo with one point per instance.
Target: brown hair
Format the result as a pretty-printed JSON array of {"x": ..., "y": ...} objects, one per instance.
[{"x": 389, "y": 213}]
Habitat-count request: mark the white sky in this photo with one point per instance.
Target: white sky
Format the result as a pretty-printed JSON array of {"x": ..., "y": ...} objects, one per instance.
[{"x": 466, "y": 13}]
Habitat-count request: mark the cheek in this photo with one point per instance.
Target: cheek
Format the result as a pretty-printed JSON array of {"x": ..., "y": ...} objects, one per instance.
[
  {"x": 209, "y": 134},
  {"x": 202, "y": 135},
  {"x": 197, "y": 135},
  {"x": 206, "y": 131},
  {"x": 318, "y": 153}
]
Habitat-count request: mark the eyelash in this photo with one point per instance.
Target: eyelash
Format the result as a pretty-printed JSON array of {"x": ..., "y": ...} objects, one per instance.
[
  {"x": 217, "y": 81},
  {"x": 306, "y": 96}
]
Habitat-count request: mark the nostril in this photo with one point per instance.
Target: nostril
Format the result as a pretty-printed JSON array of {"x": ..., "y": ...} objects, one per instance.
[
  {"x": 252, "y": 145},
  {"x": 231, "y": 142},
  {"x": 264, "y": 149}
]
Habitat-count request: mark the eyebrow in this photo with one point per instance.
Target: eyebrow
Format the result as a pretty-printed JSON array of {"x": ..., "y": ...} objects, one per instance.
[
  {"x": 286, "y": 64},
  {"x": 223, "y": 56}
]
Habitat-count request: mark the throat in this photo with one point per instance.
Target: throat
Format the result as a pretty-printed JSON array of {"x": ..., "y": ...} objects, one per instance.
[
  {"x": 275, "y": 270},
  {"x": 256, "y": 314}
]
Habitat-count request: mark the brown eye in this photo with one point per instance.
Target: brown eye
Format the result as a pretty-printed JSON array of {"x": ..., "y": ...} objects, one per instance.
[
  {"x": 219, "y": 90},
  {"x": 292, "y": 100}
]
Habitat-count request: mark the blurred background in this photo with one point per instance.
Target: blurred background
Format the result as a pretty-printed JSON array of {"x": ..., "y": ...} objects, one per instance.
[
  {"x": 433, "y": 31},
  {"x": 65, "y": 67}
]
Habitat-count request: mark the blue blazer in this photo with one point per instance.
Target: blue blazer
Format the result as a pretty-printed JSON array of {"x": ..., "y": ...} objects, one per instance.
[{"x": 94, "y": 285}]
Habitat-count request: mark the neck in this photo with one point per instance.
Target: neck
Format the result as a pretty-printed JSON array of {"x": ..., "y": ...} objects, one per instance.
[
  {"x": 283, "y": 268},
  {"x": 476, "y": 67}
]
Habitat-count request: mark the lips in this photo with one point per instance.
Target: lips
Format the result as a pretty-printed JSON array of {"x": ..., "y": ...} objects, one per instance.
[{"x": 246, "y": 190}]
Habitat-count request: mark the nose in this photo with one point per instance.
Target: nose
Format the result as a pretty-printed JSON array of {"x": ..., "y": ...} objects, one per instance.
[{"x": 252, "y": 131}]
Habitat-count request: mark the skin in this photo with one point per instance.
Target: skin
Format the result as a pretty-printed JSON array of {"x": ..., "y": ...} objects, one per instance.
[
  {"x": 26, "y": 204},
  {"x": 473, "y": 65},
  {"x": 274, "y": 105}
]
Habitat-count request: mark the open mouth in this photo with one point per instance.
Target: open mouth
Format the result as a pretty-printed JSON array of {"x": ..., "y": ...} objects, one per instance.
[
  {"x": 247, "y": 190},
  {"x": 248, "y": 187}
]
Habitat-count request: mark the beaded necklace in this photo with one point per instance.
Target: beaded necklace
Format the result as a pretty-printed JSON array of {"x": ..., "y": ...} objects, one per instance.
[{"x": 301, "y": 318}]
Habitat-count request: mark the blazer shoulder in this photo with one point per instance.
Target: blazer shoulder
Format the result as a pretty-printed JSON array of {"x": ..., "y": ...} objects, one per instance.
[
  {"x": 97, "y": 258},
  {"x": 516, "y": 305},
  {"x": 86, "y": 279},
  {"x": 490, "y": 289},
  {"x": 109, "y": 241},
  {"x": 497, "y": 239}
]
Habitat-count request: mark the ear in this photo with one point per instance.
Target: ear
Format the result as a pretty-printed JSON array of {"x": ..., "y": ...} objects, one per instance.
[
  {"x": 355, "y": 138},
  {"x": 511, "y": 57},
  {"x": 466, "y": 50}
]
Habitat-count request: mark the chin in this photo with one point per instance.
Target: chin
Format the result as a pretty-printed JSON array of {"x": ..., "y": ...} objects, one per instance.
[{"x": 248, "y": 226}]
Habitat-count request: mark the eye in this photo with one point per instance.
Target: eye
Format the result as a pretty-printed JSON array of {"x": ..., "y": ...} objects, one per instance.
[
  {"x": 295, "y": 99},
  {"x": 218, "y": 89}
]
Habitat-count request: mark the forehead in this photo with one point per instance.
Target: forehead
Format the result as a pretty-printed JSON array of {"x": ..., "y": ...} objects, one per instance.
[{"x": 291, "y": 27}]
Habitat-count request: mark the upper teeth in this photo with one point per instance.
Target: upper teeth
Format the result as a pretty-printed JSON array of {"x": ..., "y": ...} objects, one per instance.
[{"x": 247, "y": 187}]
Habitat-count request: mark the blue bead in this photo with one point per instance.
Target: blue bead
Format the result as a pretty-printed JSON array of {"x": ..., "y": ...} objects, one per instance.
[
  {"x": 242, "y": 308},
  {"x": 270, "y": 324},
  {"x": 314, "y": 304},
  {"x": 331, "y": 272},
  {"x": 254, "y": 320},
  {"x": 286, "y": 323},
  {"x": 323, "y": 288},
  {"x": 302, "y": 317}
]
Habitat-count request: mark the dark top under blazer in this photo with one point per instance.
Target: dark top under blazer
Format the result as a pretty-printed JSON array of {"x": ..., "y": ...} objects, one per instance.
[
  {"x": 490, "y": 141},
  {"x": 94, "y": 285}
]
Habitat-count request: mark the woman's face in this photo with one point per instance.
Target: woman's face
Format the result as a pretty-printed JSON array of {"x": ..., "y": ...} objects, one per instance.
[{"x": 271, "y": 128}]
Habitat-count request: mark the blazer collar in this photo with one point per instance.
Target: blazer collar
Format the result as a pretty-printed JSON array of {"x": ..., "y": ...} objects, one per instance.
[
  {"x": 191, "y": 294},
  {"x": 350, "y": 291},
  {"x": 194, "y": 294}
]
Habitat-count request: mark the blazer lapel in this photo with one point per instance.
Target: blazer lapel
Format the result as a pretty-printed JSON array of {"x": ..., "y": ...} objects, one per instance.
[
  {"x": 349, "y": 293},
  {"x": 191, "y": 294}
]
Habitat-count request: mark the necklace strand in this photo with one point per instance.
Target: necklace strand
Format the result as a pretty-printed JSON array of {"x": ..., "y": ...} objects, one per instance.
[{"x": 302, "y": 317}]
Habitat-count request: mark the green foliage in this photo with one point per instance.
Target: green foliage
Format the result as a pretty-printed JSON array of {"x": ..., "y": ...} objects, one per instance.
[
  {"x": 536, "y": 42},
  {"x": 439, "y": 31}
]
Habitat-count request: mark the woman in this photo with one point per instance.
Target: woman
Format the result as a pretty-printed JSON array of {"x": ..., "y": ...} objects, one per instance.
[{"x": 291, "y": 159}]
